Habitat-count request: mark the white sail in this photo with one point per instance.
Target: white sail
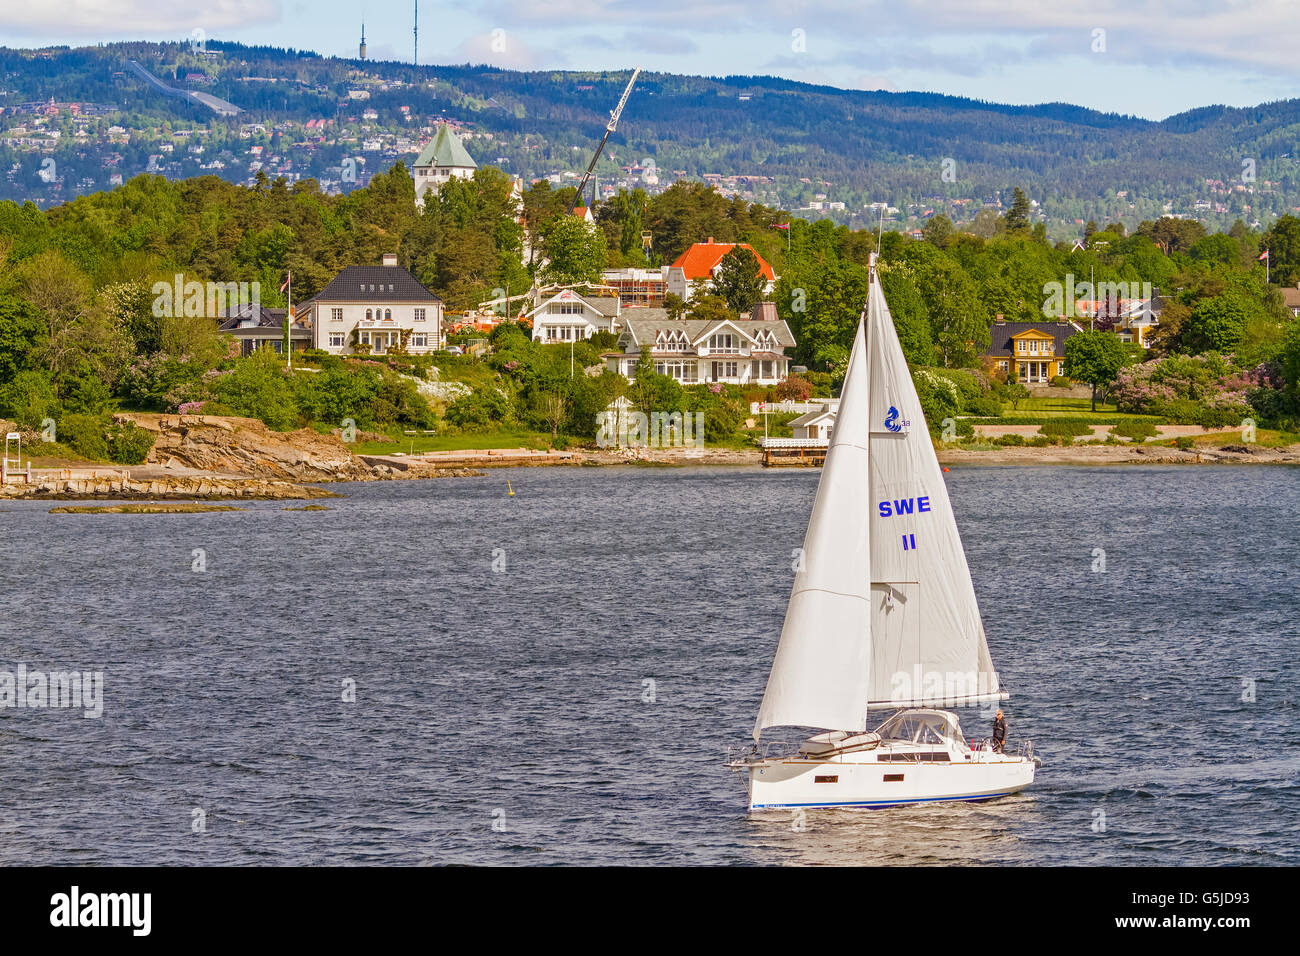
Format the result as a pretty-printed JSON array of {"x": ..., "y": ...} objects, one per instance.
[
  {"x": 883, "y": 612},
  {"x": 927, "y": 640},
  {"x": 820, "y": 675}
]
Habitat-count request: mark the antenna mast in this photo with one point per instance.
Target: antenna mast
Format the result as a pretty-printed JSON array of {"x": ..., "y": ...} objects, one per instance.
[{"x": 416, "y": 31}]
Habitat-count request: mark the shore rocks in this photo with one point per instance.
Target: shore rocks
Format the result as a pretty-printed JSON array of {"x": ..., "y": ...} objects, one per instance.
[
  {"x": 206, "y": 488},
  {"x": 246, "y": 446}
]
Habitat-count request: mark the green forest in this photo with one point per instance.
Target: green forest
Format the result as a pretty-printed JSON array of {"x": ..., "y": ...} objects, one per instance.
[{"x": 80, "y": 337}]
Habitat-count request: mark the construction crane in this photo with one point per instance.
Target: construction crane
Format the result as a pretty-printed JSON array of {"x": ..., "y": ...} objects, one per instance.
[{"x": 609, "y": 128}]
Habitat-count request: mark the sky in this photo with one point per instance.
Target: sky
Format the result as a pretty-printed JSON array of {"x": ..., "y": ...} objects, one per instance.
[{"x": 1150, "y": 58}]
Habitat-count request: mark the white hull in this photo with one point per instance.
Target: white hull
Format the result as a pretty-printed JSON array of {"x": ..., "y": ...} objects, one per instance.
[
  {"x": 801, "y": 783},
  {"x": 917, "y": 756}
]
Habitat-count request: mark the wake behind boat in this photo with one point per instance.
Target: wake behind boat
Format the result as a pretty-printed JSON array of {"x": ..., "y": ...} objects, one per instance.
[{"x": 882, "y": 616}]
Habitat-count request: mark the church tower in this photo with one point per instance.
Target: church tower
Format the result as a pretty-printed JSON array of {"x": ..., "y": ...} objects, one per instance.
[{"x": 444, "y": 158}]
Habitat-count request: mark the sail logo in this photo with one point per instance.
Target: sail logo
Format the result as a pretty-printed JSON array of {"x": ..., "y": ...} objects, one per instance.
[
  {"x": 904, "y": 506},
  {"x": 893, "y": 423}
]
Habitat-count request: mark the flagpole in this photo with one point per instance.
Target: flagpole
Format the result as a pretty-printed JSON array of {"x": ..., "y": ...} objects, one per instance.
[{"x": 288, "y": 324}]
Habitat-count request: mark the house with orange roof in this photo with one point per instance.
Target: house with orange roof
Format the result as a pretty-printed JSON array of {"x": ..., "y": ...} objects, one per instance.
[{"x": 696, "y": 267}]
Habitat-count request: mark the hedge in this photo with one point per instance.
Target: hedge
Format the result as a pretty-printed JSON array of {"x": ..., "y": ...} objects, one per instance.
[
  {"x": 1135, "y": 431},
  {"x": 1065, "y": 429}
]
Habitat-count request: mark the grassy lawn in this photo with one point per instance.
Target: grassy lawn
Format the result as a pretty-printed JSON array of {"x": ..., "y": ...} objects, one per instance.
[
  {"x": 1043, "y": 405},
  {"x": 414, "y": 444},
  {"x": 1264, "y": 438},
  {"x": 1080, "y": 408}
]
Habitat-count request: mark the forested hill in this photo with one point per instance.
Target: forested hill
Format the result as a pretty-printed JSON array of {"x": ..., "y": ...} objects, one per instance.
[{"x": 916, "y": 151}]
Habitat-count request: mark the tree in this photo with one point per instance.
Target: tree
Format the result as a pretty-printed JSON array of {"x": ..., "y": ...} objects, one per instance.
[
  {"x": 1095, "y": 358},
  {"x": 1283, "y": 245},
  {"x": 674, "y": 305},
  {"x": 22, "y": 336},
  {"x": 739, "y": 280},
  {"x": 576, "y": 251},
  {"x": 1017, "y": 218},
  {"x": 652, "y": 392},
  {"x": 553, "y": 407},
  {"x": 710, "y": 308},
  {"x": 1218, "y": 324},
  {"x": 938, "y": 231}
]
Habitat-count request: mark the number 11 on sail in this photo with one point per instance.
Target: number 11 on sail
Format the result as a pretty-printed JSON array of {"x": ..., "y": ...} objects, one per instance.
[{"x": 909, "y": 542}]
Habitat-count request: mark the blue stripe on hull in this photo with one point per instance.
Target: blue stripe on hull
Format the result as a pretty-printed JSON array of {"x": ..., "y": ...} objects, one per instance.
[{"x": 877, "y": 804}]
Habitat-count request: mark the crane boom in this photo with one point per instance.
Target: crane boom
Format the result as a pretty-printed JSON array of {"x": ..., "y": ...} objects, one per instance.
[{"x": 609, "y": 128}]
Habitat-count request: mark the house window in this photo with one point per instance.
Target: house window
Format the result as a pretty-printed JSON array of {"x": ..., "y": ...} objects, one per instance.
[
  {"x": 336, "y": 315},
  {"x": 767, "y": 369},
  {"x": 729, "y": 369},
  {"x": 336, "y": 340},
  {"x": 754, "y": 368},
  {"x": 1022, "y": 347},
  {"x": 369, "y": 315},
  {"x": 388, "y": 315},
  {"x": 1002, "y": 365},
  {"x": 419, "y": 315},
  {"x": 419, "y": 340}
]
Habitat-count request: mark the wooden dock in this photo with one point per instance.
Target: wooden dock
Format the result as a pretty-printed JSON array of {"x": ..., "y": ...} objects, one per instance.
[{"x": 794, "y": 452}]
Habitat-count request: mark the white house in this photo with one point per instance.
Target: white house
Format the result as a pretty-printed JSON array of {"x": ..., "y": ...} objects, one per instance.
[
  {"x": 443, "y": 159},
  {"x": 815, "y": 425},
  {"x": 371, "y": 309},
  {"x": 696, "y": 350},
  {"x": 570, "y": 317}
]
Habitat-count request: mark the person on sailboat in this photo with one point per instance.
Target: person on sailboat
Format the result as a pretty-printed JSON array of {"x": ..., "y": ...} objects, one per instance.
[{"x": 999, "y": 732}]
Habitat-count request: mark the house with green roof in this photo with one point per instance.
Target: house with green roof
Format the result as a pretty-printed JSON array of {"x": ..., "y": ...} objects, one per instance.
[{"x": 444, "y": 158}]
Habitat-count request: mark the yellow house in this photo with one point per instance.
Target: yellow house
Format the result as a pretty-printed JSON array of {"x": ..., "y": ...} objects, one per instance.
[{"x": 1034, "y": 350}]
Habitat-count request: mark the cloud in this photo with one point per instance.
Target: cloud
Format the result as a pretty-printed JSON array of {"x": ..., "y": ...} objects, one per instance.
[
  {"x": 1250, "y": 35},
  {"x": 96, "y": 18},
  {"x": 506, "y": 49}
]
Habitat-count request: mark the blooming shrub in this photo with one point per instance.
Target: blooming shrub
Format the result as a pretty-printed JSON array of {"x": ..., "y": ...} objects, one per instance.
[{"x": 1199, "y": 389}]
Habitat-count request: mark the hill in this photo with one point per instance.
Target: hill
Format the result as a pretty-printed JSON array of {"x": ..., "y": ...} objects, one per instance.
[{"x": 787, "y": 144}]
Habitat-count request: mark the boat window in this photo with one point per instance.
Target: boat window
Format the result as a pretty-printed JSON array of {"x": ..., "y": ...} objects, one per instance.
[
  {"x": 918, "y": 728},
  {"x": 929, "y": 735}
]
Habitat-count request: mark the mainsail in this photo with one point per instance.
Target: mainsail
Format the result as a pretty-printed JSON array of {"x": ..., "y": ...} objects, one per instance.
[
  {"x": 882, "y": 613},
  {"x": 927, "y": 640}
]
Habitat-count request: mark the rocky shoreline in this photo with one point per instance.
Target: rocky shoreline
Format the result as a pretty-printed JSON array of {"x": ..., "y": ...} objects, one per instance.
[
  {"x": 210, "y": 458},
  {"x": 170, "y": 488}
]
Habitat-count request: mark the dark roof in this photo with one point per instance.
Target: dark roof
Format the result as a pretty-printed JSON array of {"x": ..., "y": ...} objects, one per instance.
[
  {"x": 1002, "y": 332},
  {"x": 254, "y": 316},
  {"x": 375, "y": 284}
]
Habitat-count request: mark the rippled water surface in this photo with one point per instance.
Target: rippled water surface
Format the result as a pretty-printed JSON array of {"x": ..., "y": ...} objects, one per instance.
[{"x": 518, "y": 698}]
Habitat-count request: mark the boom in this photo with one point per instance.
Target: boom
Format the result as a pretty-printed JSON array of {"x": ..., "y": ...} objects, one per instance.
[{"x": 609, "y": 128}]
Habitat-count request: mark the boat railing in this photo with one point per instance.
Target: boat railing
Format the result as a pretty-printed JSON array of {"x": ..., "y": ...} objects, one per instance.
[
  {"x": 769, "y": 750},
  {"x": 1024, "y": 748}
]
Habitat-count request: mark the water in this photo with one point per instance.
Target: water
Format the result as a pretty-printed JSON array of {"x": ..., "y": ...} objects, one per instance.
[{"x": 516, "y": 698}]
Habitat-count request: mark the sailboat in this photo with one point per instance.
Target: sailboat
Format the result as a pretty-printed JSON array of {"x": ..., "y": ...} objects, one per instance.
[{"x": 882, "y": 617}]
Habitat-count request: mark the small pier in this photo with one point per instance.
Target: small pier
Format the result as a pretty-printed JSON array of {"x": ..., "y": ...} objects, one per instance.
[{"x": 794, "y": 452}]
